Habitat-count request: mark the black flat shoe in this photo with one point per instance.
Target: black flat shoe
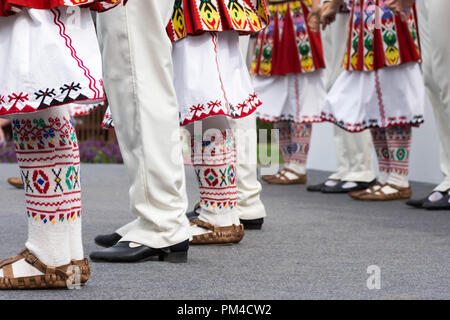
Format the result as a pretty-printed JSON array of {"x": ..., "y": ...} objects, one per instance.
[
  {"x": 122, "y": 252},
  {"x": 107, "y": 240},
  {"x": 339, "y": 188},
  {"x": 416, "y": 203},
  {"x": 315, "y": 187},
  {"x": 442, "y": 204},
  {"x": 192, "y": 215},
  {"x": 255, "y": 224},
  {"x": 333, "y": 189}
]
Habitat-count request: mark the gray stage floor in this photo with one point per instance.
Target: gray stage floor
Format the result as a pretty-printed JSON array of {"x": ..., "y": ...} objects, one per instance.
[{"x": 312, "y": 246}]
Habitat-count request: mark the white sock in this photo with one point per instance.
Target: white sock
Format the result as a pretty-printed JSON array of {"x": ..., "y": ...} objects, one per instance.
[
  {"x": 222, "y": 219},
  {"x": 52, "y": 187},
  {"x": 196, "y": 230},
  {"x": 374, "y": 189},
  {"x": 383, "y": 178},
  {"x": 388, "y": 190},
  {"x": 48, "y": 242},
  {"x": 331, "y": 183},
  {"x": 349, "y": 185},
  {"x": 435, "y": 196},
  {"x": 76, "y": 240},
  {"x": 22, "y": 269},
  {"x": 398, "y": 180},
  {"x": 297, "y": 167}
]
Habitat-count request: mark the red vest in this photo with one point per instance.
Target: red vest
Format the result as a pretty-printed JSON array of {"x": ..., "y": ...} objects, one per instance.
[
  {"x": 287, "y": 45},
  {"x": 378, "y": 38},
  {"x": 194, "y": 17}
]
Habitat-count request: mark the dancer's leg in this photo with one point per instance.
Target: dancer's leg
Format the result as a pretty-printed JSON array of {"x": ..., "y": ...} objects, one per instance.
[
  {"x": 214, "y": 160},
  {"x": 300, "y": 145},
  {"x": 48, "y": 157},
  {"x": 399, "y": 144},
  {"x": 379, "y": 138},
  {"x": 139, "y": 83}
]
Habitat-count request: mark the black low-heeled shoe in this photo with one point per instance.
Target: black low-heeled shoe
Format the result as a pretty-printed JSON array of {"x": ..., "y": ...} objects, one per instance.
[
  {"x": 107, "y": 240},
  {"x": 416, "y": 203},
  {"x": 122, "y": 252},
  {"x": 442, "y": 204},
  {"x": 339, "y": 187},
  {"x": 192, "y": 215},
  {"x": 315, "y": 187},
  {"x": 254, "y": 224}
]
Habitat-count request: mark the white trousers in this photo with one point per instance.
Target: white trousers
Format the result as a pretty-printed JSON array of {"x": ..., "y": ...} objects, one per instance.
[
  {"x": 139, "y": 84},
  {"x": 249, "y": 205},
  {"x": 354, "y": 150},
  {"x": 435, "y": 41}
]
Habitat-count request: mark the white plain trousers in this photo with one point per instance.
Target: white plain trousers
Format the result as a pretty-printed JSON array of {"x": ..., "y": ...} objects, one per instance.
[
  {"x": 137, "y": 61},
  {"x": 354, "y": 156},
  {"x": 354, "y": 150},
  {"x": 435, "y": 41},
  {"x": 249, "y": 189},
  {"x": 249, "y": 205}
]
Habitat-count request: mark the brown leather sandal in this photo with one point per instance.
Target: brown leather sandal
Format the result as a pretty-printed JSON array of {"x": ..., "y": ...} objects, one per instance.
[
  {"x": 370, "y": 190},
  {"x": 268, "y": 178},
  {"x": 218, "y": 235},
  {"x": 379, "y": 195},
  {"x": 281, "y": 178},
  {"x": 16, "y": 182},
  {"x": 52, "y": 278}
]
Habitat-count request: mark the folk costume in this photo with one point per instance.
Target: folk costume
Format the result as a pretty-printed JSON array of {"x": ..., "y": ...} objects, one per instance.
[
  {"x": 381, "y": 90},
  {"x": 226, "y": 92},
  {"x": 250, "y": 208},
  {"x": 353, "y": 150},
  {"x": 288, "y": 75},
  {"x": 436, "y": 66},
  {"x": 205, "y": 38},
  {"x": 138, "y": 75},
  {"x": 52, "y": 70}
]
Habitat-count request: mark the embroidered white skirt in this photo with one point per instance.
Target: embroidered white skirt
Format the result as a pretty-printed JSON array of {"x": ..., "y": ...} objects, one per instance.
[
  {"x": 49, "y": 58},
  {"x": 294, "y": 97},
  {"x": 388, "y": 97},
  {"x": 210, "y": 78}
]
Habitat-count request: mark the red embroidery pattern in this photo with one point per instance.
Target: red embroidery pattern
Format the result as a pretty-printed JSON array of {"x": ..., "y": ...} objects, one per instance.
[
  {"x": 214, "y": 166},
  {"x": 8, "y": 7},
  {"x": 217, "y": 107},
  {"x": 373, "y": 123},
  {"x": 47, "y": 152}
]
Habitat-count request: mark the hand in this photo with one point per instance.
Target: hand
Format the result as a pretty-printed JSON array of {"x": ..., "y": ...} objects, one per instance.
[
  {"x": 398, "y": 6},
  {"x": 314, "y": 21},
  {"x": 328, "y": 13}
]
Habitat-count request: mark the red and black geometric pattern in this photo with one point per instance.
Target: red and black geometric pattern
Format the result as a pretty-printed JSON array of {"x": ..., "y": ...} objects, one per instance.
[
  {"x": 295, "y": 140},
  {"x": 392, "y": 147},
  {"x": 214, "y": 161},
  {"x": 26, "y": 102},
  {"x": 48, "y": 156},
  {"x": 195, "y": 17}
]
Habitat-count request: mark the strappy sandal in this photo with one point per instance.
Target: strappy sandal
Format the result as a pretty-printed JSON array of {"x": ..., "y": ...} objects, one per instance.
[
  {"x": 268, "y": 178},
  {"x": 218, "y": 235},
  {"x": 52, "y": 278},
  {"x": 281, "y": 178},
  {"x": 379, "y": 195},
  {"x": 357, "y": 194},
  {"x": 16, "y": 182}
]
